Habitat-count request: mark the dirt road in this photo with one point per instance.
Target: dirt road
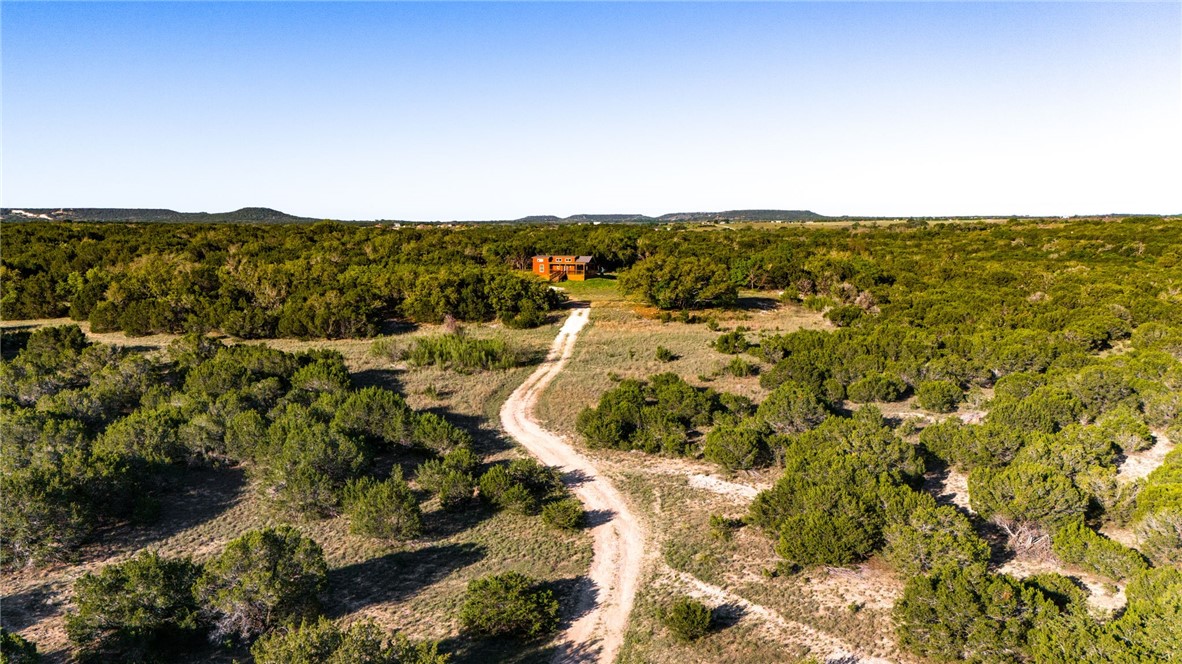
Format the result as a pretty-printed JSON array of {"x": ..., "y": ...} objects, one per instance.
[{"x": 606, "y": 601}]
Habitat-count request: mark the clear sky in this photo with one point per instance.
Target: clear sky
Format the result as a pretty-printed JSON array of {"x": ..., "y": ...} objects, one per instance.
[{"x": 494, "y": 111}]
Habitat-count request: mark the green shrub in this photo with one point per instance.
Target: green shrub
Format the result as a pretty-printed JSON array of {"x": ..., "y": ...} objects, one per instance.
[
  {"x": 740, "y": 368},
  {"x": 939, "y": 396},
  {"x": 930, "y": 538},
  {"x": 565, "y": 514},
  {"x": 14, "y": 649},
  {"x": 1076, "y": 544},
  {"x": 687, "y": 618},
  {"x": 966, "y": 613},
  {"x": 665, "y": 355},
  {"x": 136, "y": 610},
  {"x": 262, "y": 579},
  {"x": 1025, "y": 492},
  {"x": 1126, "y": 429},
  {"x": 792, "y": 408},
  {"x": 450, "y": 484},
  {"x": 736, "y": 446},
  {"x": 876, "y": 387},
  {"x": 322, "y": 642},
  {"x": 732, "y": 343},
  {"x": 844, "y": 316},
  {"x": 1161, "y": 537},
  {"x": 840, "y": 479},
  {"x": 669, "y": 282},
  {"x": 385, "y": 510},
  {"x": 509, "y": 604},
  {"x": 461, "y": 353}
]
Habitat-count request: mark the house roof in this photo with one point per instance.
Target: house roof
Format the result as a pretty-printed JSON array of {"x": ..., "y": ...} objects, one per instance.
[{"x": 578, "y": 259}]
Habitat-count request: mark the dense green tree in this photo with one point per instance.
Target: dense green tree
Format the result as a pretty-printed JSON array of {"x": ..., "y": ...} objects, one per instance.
[
  {"x": 968, "y": 614},
  {"x": 792, "y": 408},
  {"x": 680, "y": 283},
  {"x": 509, "y": 604},
  {"x": 1076, "y": 544},
  {"x": 932, "y": 537},
  {"x": 736, "y": 445},
  {"x": 137, "y": 610},
  {"x": 385, "y": 509},
  {"x": 262, "y": 579},
  {"x": 1025, "y": 493},
  {"x": 939, "y": 396}
]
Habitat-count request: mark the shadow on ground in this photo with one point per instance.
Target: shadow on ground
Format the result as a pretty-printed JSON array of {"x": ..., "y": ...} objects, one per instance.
[{"x": 395, "y": 577}]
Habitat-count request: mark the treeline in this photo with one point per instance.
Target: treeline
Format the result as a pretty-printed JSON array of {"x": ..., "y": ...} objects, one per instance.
[{"x": 333, "y": 280}]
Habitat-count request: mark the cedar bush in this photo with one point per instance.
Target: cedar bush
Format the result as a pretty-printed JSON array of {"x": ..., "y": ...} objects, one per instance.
[
  {"x": 323, "y": 642},
  {"x": 732, "y": 343},
  {"x": 509, "y": 604},
  {"x": 461, "y": 353},
  {"x": 1076, "y": 544},
  {"x": 932, "y": 537},
  {"x": 876, "y": 387},
  {"x": 564, "y": 514},
  {"x": 383, "y": 509},
  {"x": 939, "y": 396},
  {"x": 687, "y": 618},
  {"x": 138, "y": 610},
  {"x": 15, "y": 649},
  {"x": 262, "y": 579}
]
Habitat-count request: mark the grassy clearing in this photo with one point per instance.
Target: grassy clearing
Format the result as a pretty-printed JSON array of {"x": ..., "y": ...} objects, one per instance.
[{"x": 622, "y": 340}]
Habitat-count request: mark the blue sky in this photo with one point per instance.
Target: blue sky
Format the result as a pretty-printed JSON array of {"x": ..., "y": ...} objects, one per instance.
[{"x": 498, "y": 110}]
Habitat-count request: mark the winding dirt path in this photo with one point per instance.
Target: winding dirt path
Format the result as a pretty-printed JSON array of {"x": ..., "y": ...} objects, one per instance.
[
  {"x": 834, "y": 648},
  {"x": 606, "y": 600}
]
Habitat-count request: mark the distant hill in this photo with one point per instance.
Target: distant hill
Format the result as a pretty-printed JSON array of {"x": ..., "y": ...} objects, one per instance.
[
  {"x": 255, "y": 215},
  {"x": 261, "y": 215},
  {"x": 745, "y": 215},
  {"x": 729, "y": 215}
]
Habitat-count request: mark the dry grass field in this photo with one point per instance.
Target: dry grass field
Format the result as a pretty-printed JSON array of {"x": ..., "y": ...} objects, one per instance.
[{"x": 621, "y": 342}]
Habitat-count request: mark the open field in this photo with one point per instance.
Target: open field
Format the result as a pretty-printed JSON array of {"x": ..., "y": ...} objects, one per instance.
[{"x": 622, "y": 339}]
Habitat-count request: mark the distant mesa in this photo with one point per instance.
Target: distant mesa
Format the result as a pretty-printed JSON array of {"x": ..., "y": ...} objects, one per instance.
[
  {"x": 245, "y": 215},
  {"x": 262, "y": 215}
]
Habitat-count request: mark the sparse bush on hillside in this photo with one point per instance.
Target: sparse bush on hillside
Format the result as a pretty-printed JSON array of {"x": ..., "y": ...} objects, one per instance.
[
  {"x": 14, "y": 649},
  {"x": 732, "y": 343}
]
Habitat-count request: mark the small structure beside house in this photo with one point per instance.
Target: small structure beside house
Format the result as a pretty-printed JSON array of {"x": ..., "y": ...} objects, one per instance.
[{"x": 561, "y": 268}]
